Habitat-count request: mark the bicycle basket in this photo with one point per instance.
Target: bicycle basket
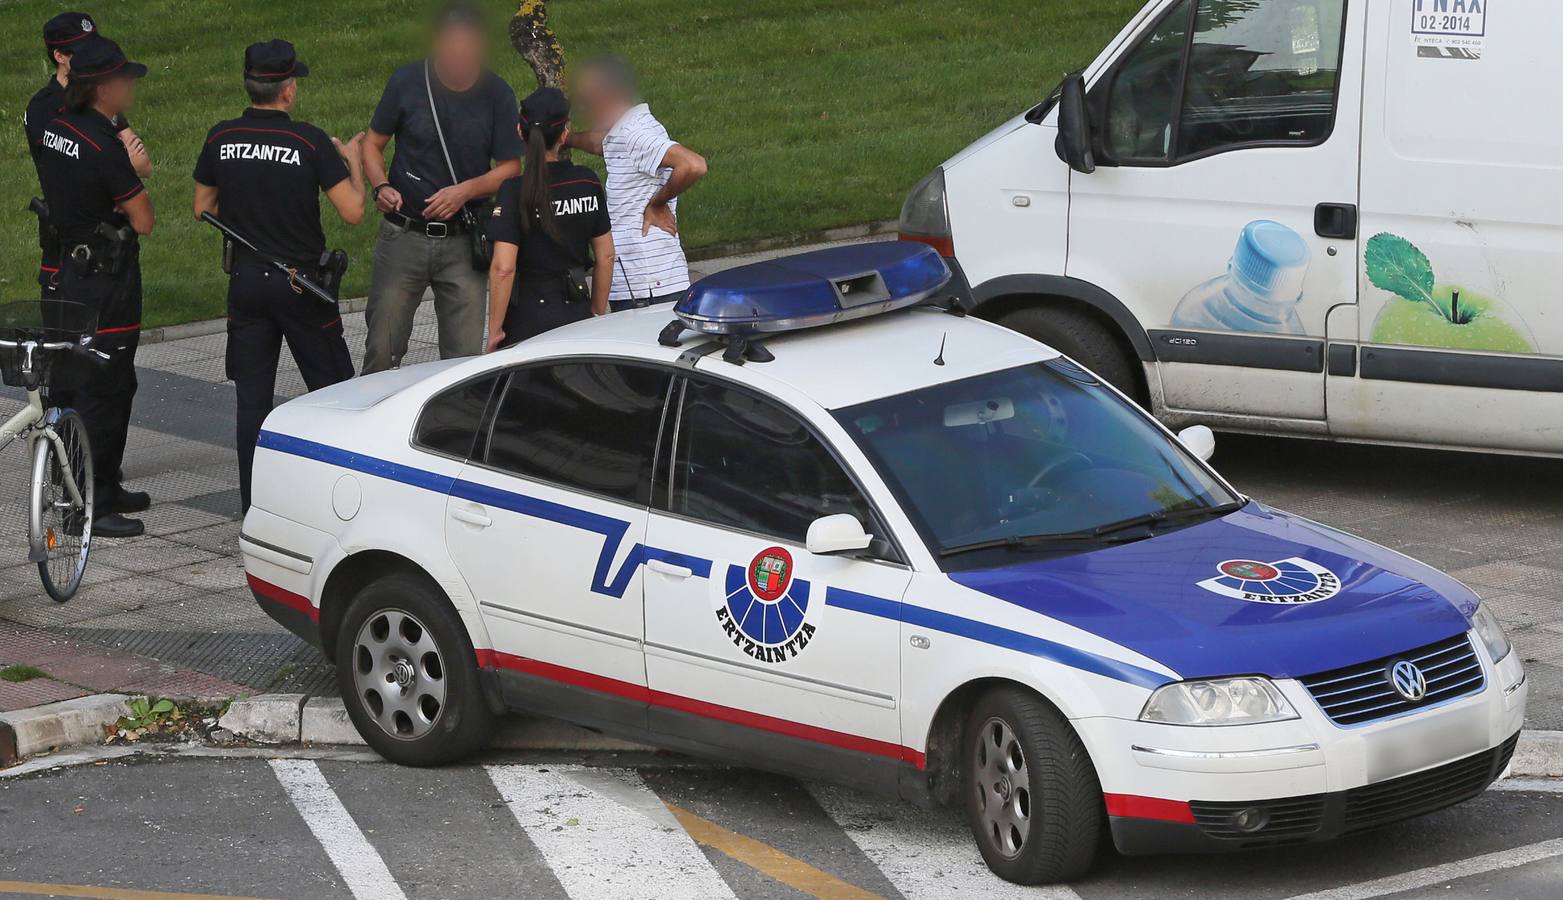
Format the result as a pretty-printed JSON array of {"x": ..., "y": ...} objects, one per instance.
[{"x": 41, "y": 321}]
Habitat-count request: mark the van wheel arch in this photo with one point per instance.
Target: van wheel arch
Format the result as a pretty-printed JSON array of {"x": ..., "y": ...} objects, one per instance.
[
  {"x": 1073, "y": 299},
  {"x": 944, "y": 734}
]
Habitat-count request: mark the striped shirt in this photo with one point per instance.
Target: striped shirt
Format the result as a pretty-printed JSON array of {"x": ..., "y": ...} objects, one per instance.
[{"x": 654, "y": 264}]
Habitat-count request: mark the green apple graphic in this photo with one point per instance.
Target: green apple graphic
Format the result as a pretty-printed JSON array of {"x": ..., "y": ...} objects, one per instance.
[{"x": 1423, "y": 314}]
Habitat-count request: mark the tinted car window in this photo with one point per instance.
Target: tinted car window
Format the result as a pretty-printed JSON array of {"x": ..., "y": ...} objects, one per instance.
[
  {"x": 449, "y": 423},
  {"x": 1037, "y": 452},
  {"x": 746, "y": 463},
  {"x": 590, "y": 426}
]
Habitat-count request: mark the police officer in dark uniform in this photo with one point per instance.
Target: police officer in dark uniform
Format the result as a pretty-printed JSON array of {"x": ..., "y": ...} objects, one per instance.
[
  {"x": 61, "y": 35},
  {"x": 263, "y": 174},
  {"x": 550, "y": 227},
  {"x": 99, "y": 207}
]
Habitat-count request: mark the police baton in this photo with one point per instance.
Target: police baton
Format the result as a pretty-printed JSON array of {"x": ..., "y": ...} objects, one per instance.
[{"x": 295, "y": 277}]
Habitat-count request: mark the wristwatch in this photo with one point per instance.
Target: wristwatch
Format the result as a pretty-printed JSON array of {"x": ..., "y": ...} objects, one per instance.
[{"x": 374, "y": 195}]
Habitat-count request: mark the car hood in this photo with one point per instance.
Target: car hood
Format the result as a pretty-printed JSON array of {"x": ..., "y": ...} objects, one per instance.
[{"x": 1168, "y": 598}]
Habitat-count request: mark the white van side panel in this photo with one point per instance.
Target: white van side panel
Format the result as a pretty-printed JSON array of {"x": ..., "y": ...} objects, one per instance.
[
  {"x": 1009, "y": 205},
  {"x": 1462, "y": 175}
]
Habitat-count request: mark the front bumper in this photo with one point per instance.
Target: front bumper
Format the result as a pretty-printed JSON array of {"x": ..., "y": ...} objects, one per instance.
[
  {"x": 1213, "y": 826},
  {"x": 1171, "y": 788}
]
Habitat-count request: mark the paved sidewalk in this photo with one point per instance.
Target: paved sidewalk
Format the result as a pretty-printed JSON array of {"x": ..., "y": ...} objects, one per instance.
[{"x": 178, "y": 595}]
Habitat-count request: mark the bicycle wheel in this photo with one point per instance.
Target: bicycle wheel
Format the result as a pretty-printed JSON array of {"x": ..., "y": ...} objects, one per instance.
[{"x": 60, "y": 531}]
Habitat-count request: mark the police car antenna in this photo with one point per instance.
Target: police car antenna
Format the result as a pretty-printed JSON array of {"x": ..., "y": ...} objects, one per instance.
[{"x": 939, "y": 360}]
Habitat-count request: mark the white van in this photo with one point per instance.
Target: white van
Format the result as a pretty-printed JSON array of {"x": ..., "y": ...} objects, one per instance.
[{"x": 1329, "y": 218}]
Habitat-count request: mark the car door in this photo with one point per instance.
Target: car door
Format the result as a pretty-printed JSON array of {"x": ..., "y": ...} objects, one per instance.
[
  {"x": 774, "y": 642},
  {"x": 1222, "y": 209},
  {"x": 547, "y": 523}
]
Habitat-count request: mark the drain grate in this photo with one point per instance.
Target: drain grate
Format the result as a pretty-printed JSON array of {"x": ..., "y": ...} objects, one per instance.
[{"x": 266, "y": 662}]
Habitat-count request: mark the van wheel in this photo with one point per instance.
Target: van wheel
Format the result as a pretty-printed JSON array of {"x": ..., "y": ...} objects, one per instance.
[
  {"x": 1081, "y": 337},
  {"x": 408, "y": 675},
  {"x": 1031, "y": 794}
]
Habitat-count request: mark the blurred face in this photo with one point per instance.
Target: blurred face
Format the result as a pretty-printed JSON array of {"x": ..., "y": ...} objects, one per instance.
[
  {"x": 118, "y": 94},
  {"x": 602, "y": 101},
  {"x": 459, "y": 51}
]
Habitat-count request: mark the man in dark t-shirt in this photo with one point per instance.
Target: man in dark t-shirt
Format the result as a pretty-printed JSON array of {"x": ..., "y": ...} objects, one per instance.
[
  {"x": 265, "y": 172},
  {"x": 425, "y": 240},
  {"x": 546, "y": 241}
]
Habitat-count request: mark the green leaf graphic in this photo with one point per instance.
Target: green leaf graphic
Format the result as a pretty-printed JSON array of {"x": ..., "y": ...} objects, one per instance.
[{"x": 1396, "y": 265}]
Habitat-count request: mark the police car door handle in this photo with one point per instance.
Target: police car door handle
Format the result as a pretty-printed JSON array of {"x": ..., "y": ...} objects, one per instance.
[
  {"x": 669, "y": 569},
  {"x": 473, "y": 515}
]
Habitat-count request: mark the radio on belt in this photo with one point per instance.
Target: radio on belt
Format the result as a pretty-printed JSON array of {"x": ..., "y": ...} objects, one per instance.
[{"x": 804, "y": 291}]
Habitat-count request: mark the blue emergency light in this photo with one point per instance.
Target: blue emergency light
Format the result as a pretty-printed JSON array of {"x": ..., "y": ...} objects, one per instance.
[{"x": 816, "y": 288}]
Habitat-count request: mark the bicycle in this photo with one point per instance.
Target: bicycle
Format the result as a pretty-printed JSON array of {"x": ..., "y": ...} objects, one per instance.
[{"x": 59, "y": 516}]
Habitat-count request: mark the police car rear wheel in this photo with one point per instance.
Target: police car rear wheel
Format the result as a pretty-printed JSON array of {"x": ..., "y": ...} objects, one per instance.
[
  {"x": 408, "y": 674},
  {"x": 1031, "y": 794}
]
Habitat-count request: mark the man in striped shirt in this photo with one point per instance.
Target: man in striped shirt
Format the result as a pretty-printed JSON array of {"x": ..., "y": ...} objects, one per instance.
[{"x": 647, "y": 171}]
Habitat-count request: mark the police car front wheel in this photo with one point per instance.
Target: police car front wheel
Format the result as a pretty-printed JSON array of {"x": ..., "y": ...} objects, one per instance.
[
  {"x": 1032, "y": 797},
  {"x": 408, "y": 673}
]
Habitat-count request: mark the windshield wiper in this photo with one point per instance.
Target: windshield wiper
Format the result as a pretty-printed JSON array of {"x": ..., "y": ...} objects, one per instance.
[
  {"x": 1111, "y": 533},
  {"x": 1161, "y": 516}
]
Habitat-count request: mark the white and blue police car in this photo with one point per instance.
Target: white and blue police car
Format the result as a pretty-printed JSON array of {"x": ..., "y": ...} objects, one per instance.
[{"x": 817, "y": 524}]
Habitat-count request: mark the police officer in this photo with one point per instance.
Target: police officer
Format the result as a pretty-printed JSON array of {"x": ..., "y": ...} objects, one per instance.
[
  {"x": 99, "y": 207},
  {"x": 61, "y": 35},
  {"x": 266, "y": 171},
  {"x": 550, "y": 226}
]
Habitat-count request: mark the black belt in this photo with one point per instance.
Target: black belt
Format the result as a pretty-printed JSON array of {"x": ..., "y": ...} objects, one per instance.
[
  {"x": 426, "y": 227},
  {"x": 243, "y": 257}
]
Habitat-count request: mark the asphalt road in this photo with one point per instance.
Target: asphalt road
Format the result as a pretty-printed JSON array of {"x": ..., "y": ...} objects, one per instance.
[{"x": 648, "y": 827}]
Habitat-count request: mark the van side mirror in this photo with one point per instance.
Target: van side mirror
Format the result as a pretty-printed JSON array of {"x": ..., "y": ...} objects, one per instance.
[
  {"x": 840, "y": 533},
  {"x": 1199, "y": 440},
  {"x": 1074, "y": 126}
]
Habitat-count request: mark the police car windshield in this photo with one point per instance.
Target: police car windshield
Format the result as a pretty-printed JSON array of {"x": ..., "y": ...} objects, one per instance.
[{"x": 1032, "y": 457}]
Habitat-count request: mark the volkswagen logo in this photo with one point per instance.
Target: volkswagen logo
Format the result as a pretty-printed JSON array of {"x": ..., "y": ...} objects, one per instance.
[{"x": 1408, "y": 681}]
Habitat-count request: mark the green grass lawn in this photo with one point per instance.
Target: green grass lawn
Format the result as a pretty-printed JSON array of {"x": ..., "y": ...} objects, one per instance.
[{"x": 812, "y": 113}]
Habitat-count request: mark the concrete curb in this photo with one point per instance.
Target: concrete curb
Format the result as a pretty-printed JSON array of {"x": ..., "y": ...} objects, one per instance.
[
  {"x": 55, "y": 726},
  {"x": 207, "y": 327},
  {"x": 291, "y": 719},
  {"x": 1539, "y": 755}
]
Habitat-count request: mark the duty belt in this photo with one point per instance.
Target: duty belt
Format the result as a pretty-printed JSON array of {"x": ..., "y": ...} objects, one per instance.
[{"x": 426, "y": 227}]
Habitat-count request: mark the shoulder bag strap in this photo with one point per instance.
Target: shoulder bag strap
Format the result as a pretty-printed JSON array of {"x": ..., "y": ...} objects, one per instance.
[{"x": 439, "y": 132}]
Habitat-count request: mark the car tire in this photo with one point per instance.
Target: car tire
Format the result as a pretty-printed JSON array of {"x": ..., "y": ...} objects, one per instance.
[
  {"x": 1079, "y": 336},
  {"x": 1032, "y": 797},
  {"x": 408, "y": 674}
]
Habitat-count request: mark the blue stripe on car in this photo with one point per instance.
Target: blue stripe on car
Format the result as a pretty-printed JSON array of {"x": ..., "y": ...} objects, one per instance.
[
  {"x": 1029, "y": 644},
  {"x": 613, "y": 531}
]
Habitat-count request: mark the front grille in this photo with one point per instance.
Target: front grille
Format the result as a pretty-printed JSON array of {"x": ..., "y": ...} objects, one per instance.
[
  {"x": 1291, "y": 819},
  {"x": 1414, "y": 795},
  {"x": 1362, "y": 693}
]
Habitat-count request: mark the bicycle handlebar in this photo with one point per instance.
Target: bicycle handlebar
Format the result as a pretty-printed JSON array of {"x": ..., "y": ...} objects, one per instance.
[{"x": 40, "y": 345}]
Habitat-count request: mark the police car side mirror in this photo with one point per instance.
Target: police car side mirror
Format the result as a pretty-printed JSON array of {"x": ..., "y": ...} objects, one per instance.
[
  {"x": 840, "y": 533},
  {"x": 1199, "y": 440}
]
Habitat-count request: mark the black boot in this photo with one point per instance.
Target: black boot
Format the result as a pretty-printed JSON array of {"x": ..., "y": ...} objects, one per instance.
[{"x": 113, "y": 525}]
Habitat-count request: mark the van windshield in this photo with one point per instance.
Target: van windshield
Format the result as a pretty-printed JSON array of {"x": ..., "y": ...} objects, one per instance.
[{"x": 1040, "y": 457}]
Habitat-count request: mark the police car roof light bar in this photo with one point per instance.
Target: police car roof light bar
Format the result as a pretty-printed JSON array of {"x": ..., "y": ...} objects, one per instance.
[{"x": 808, "y": 290}]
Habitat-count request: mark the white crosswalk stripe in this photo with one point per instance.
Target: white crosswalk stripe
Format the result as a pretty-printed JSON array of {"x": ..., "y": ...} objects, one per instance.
[
  {"x": 605, "y": 834},
  {"x": 349, "y": 850},
  {"x": 926, "y": 854}
]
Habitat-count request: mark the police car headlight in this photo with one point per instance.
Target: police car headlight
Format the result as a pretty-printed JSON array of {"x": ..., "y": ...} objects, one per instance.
[
  {"x": 1491, "y": 632},
  {"x": 1222, "y": 701}
]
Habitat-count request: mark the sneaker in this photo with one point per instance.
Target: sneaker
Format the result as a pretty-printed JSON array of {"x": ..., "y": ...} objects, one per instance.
[
  {"x": 114, "y": 525},
  {"x": 130, "y": 501}
]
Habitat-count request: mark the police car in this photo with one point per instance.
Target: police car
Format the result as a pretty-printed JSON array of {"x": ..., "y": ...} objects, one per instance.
[{"x": 813, "y": 522}]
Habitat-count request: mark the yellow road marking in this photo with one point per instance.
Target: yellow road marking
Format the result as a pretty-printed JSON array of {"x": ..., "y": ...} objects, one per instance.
[
  {"x": 762, "y": 857},
  {"x": 92, "y": 892}
]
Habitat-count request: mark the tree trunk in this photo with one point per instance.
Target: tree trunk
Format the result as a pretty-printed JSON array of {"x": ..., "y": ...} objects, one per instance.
[{"x": 535, "y": 41}]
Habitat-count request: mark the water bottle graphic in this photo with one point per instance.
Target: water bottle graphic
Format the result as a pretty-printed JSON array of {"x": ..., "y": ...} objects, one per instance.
[{"x": 1260, "y": 290}]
